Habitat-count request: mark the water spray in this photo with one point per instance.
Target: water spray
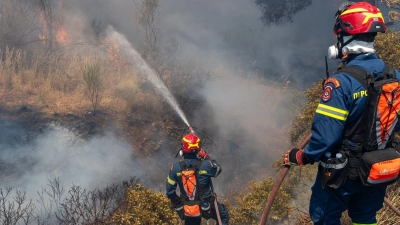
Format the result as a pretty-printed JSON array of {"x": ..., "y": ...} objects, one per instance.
[{"x": 135, "y": 59}]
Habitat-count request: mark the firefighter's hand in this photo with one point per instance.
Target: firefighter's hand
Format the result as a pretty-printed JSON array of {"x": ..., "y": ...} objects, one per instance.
[
  {"x": 295, "y": 157},
  {"x": 203, "y": 154}
]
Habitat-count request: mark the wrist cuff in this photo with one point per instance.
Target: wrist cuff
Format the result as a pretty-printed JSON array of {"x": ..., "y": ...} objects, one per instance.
[{"x": 306, "y": 160}]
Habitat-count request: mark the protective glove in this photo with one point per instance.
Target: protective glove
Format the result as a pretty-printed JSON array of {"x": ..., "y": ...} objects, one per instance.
[
  {"x": 295, "y": 157},
  {"x": 203, "y": 154}
]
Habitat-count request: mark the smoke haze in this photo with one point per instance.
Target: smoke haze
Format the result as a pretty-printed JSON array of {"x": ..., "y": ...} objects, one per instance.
[
  {"x": 31, "y": 159},
  {"x": 225, "y": 34},
  {"x": 225, "y": 37},
  {"x": 258, "y": 68}
]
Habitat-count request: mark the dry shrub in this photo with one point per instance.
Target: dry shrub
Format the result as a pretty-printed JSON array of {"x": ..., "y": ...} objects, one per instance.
[
  {"x": 388, "y": 47},
  {"x": 144, "y": 206},
  {"x": 387, "y": 215},
  {"x": 249, "y": 207},
  {"x": 394, "y": 15},
  {"x": 92, "y": 75},
  {"x": 301, "y": 125}
]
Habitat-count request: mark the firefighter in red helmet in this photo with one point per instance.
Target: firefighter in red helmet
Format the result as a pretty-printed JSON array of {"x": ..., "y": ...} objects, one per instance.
[
  {"x": 193, "y": 177},
  {"x": 339, "y": 141}
]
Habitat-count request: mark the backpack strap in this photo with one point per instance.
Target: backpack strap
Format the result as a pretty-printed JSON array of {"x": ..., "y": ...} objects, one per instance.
[
  {"x": 354, "y": 131},
  {"x": 198, "y": 165},
  {"x": 388, "y": 73},
  {"x": 362, "y": 76},
  {"x": 183, "y": 165}
]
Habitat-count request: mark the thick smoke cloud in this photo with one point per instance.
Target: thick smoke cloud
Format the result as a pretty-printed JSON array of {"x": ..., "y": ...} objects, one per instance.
[
  {"x": 29, "y": 160},
  {"x": 226, "y": 34}
]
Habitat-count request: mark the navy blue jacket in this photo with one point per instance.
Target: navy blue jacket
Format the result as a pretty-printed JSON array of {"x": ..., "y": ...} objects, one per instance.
[
  {"x": 343, "y": 102},
  {"x": 209, "y": 168}
]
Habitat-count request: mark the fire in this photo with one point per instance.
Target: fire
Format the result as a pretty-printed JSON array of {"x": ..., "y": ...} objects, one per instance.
[
  {"x": 114, "y": 53},
  {"x": 61, "y": 35}
]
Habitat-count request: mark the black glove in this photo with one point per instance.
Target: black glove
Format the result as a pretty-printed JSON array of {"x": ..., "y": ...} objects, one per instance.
[{"x": 296, "y": 157}]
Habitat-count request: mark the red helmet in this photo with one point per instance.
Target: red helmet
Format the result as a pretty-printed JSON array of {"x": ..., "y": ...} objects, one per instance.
[
  {"x": 358, "y": 18},
  {"x": 190, "y": 143}
]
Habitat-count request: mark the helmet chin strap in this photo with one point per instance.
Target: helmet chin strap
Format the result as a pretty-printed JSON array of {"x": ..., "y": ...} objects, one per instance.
[
  {"x": 343, "y": 44},
  {"x": 336, "y": 51}
]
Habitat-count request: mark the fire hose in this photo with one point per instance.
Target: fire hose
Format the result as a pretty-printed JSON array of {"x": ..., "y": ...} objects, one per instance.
[{"x": 280, "y": 179}]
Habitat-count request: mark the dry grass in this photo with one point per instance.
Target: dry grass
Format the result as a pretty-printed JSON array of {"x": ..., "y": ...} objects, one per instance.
[{"x": 53, "y": 83}]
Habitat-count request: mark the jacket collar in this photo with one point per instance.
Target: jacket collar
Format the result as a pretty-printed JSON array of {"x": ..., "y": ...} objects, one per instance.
[{"x": 190, "y": 156}]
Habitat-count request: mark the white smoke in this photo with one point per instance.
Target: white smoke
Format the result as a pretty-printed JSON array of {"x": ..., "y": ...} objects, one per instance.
[{"x": 59, "y": 153}]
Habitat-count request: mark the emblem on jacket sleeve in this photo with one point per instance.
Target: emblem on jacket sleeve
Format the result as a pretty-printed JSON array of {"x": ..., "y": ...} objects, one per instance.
[
  {"x": 332, "y": 81},
  {"x": 330, "y": 84},
  {"x": 327, "y": 93}
]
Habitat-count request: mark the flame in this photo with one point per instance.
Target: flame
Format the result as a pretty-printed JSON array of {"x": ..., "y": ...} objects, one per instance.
[
  {"x": 61, "y": 35},
  {"x": 114, "y": 55}
]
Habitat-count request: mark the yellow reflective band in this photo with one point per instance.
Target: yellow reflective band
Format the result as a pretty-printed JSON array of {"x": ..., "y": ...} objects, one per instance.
[
  {"x": 365, "y": 12},
  {"x": 333, "y": 112},
  {"x": 365, "y": 224},
  {"x": 369, "y": 15},
  {"x": 178, "y": 174},
  {"x": 356, "y": 10},
  {"x": 170, "y": 181},
  {"x": 216, "y": 174},
  {"x": 202, "y": 171}
]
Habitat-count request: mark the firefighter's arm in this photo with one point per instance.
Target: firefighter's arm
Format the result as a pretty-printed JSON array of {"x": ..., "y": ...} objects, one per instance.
[
  {"x": 330, "y": 117},
  {"x": 211, "y": 167},
  {"x": 171, "y": 186}
]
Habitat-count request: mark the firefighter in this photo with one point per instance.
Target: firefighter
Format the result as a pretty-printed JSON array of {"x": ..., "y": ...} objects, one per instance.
[
  {"x": 342, "y": 103},
  {"x": 196, "y": 199}
]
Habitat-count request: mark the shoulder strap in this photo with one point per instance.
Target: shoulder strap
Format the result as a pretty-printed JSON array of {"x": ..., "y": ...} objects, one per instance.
[
  {"x": 183, "y": 165},
  {"x": 357, "y": 73},
  {"x": 389, "y": 73},
  {"x": 198, "y": 164}
]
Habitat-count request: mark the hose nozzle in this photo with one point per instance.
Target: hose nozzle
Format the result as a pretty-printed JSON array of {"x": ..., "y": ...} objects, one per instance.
[{"x": 191, "y": 129}]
